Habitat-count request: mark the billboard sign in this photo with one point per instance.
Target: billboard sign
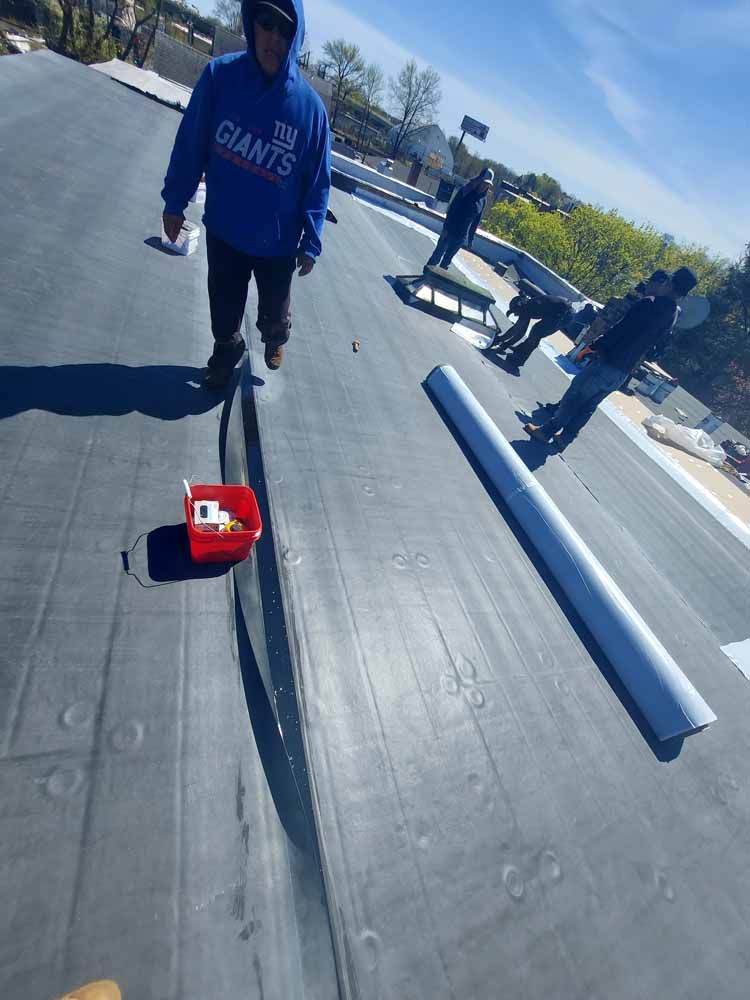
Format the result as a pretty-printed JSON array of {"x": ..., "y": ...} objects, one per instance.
[{"x": 475, "y": 128}]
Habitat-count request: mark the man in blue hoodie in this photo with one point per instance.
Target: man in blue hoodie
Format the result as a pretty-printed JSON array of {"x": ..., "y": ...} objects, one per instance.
[{"x": 259, "y": 133}]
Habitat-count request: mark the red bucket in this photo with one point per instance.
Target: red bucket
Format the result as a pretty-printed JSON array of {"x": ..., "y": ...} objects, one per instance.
[{"x": 224, "y": 546}]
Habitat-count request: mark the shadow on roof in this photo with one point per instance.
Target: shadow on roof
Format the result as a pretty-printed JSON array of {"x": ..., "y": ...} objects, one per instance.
[
  {"x": 167, "y": 392},
  {"x": 167, "y": 558}
]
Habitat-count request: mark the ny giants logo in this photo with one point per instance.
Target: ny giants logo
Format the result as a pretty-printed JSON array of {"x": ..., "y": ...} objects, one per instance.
[{"x": 271, "y": 160}]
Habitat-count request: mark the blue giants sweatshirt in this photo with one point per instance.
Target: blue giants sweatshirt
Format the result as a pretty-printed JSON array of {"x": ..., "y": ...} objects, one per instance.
[{"x": 264, "y": 148}]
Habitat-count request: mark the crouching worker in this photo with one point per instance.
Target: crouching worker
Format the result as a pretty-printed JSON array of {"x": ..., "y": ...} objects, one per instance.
[
  {"x": 550, "y": 312},
  {"x": 259, "y": 133}
]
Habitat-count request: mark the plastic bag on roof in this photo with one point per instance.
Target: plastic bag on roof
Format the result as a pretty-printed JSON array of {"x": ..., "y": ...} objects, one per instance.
[{"x": 690, "y": 439}]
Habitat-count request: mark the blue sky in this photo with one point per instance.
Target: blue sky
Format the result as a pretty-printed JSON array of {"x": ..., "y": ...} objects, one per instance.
[{"x": 640, "y": 105}]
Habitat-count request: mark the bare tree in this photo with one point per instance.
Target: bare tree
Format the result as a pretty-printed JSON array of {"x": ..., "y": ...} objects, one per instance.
[
  {"x": 123, "y": 18},
  {"x": 348, "y": 67},
  {"x": 371, "y": 89},
  {"x": 229, "y": 12},
  {"x": 415, "y": 97},
  {"x": 152, "y": 8},
  {"x": 153, "y": 31},
  {"x": 112, "y": 16}
]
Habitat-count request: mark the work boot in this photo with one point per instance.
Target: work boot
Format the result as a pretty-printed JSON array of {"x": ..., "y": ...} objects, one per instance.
[
  {"x": 560, "y": 442},
  {"x": 102, "y": 989},
  {"x": 218, "y": 371},
  {"x": 274, "y": 356},
  {"x": 537, "y": 432}
]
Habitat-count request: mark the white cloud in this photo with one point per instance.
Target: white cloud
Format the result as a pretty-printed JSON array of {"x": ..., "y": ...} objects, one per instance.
[
  {"x": 624, "y": 107},
  {"x": 524, "y": 135}
]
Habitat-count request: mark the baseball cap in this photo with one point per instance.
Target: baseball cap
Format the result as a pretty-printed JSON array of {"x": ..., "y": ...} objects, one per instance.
[
  {"x": 683, "y": 280},
  {"x": 488, "y": 174},
  {"x": 282, "y": 7}
]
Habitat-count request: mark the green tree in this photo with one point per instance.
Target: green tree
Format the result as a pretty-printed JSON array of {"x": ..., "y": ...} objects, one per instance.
[
  {"x": 599, "y": 252},
  {"x": 548, "y": 189},
  {"x": 608, "y": 254},
  {"x": 713, "y": 360},
  {"x": 70, "y": 32},
  {"x": 542, "y": 234},
  {"x": 348, "y": 66},
  {"x": 151, "y": 9}
]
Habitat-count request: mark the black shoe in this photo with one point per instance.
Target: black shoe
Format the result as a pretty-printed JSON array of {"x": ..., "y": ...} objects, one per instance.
[
  {"x": 559, "y": 442},
  {"x": 218, "y": 371},
  {"x": 217, "y": 378}
]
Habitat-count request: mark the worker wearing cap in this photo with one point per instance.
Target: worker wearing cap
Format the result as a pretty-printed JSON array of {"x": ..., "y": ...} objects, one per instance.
[
  {"x": 641, "y": 333},
  {"x": 616, "y": 307},
  {"x": 259, "y": 133},
  {"x": 462, "y": 219},
  {"x": 550, "y": 311}
]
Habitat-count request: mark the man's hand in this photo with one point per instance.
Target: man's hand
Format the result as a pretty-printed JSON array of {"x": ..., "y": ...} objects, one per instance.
[
  {"x": 172, "y": 226},
  {"x": 584, "y": 352},
  {"x": 305, "y": 264}
]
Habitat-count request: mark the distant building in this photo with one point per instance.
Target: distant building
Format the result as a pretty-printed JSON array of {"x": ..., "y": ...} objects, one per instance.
[
  {"x": 323, "y": 87},
  {"x": 428, "y": 145}
]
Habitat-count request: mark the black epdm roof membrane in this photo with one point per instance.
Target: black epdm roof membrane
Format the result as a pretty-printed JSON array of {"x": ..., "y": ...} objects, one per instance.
[{"x": 474, "y": 807}]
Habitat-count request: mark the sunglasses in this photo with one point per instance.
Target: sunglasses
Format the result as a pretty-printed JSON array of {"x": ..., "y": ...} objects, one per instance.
[{"x": 269, "y": 22}]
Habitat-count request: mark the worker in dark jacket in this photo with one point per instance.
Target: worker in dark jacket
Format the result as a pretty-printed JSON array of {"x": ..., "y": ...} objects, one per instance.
[
  {"x": 642, "y": 332},
  {"x": 462, "y": 219},
  {"x": 550, "y": 311},
  {"x": 259, "y": 133}
]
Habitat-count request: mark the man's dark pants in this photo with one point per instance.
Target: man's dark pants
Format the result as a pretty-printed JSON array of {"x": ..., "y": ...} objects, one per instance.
[
  {"x": 447, "y": 247},
  {"x": 549, "y": 314},
  {"x": 544, "y": 328},
  {"x": 588, "y": 389},
  {"x": 229, "y": 274}
]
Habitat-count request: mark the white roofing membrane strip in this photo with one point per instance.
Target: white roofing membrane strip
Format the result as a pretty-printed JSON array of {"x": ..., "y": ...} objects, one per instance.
[
  {"x": 665, "y": 696},
  {"x": 739, "y": 654}
]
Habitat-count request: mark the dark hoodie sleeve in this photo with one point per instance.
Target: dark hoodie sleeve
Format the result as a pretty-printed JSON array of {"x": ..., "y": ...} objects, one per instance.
[
  {"x": 477, "y": 220},
  {"x": 318, "y": 186},
  {"x": 644, "y": 329},
  {"x": 190, "y": 152},
  {"x": 455, "y": 206}
]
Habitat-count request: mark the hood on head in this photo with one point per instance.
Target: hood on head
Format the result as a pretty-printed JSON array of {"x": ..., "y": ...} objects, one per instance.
[{"x": 289, "y": 70}]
